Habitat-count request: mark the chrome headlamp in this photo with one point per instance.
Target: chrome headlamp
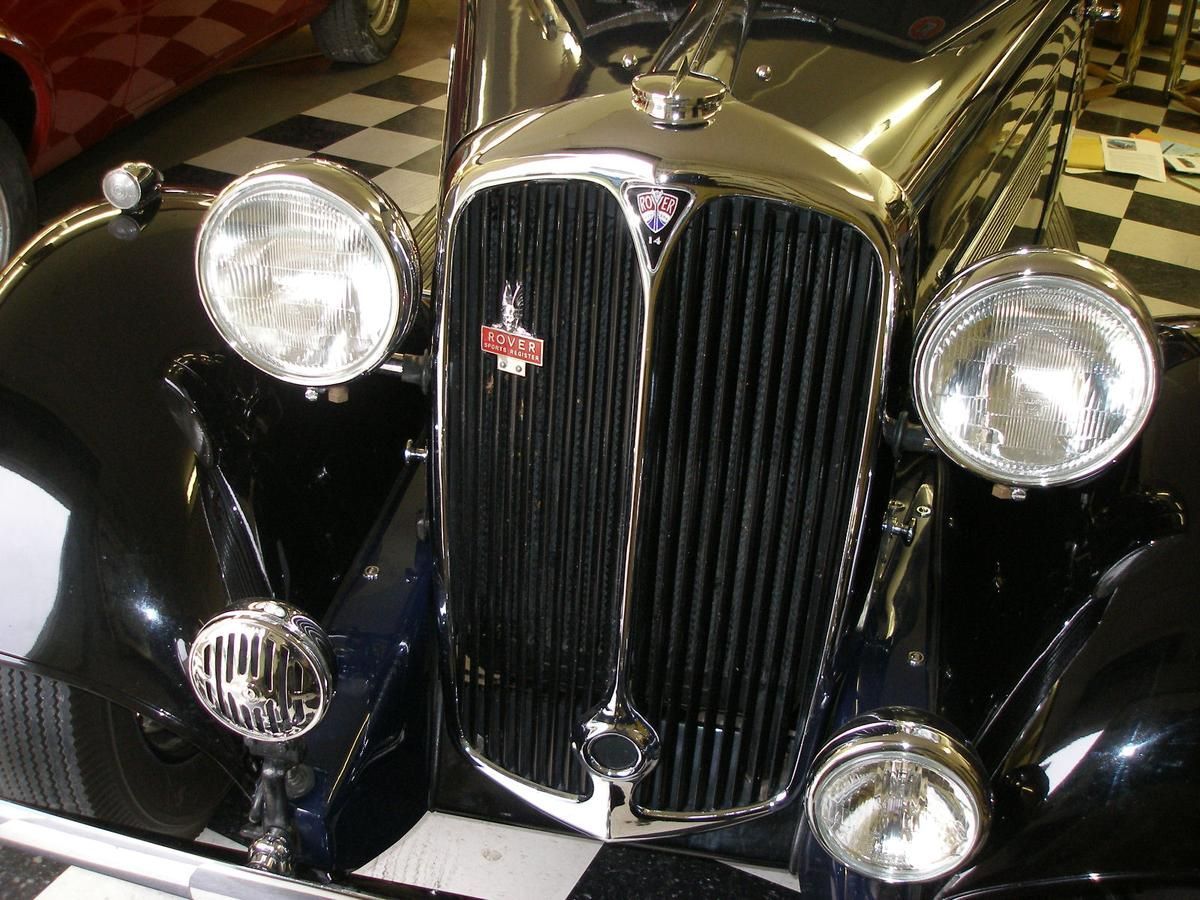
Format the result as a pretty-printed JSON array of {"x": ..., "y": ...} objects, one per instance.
[
  {"x": 1036, "y": 367},
  {"x": 897, "y": 798},
  {"x": 308, "y": 270}
]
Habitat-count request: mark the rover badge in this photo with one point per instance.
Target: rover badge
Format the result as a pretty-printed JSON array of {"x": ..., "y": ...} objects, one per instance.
[{"x": 514, "y": 346}]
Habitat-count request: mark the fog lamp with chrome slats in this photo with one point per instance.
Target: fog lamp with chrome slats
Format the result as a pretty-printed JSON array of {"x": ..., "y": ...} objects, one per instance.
[
  {"x": 1035, "y": 367},
  {"x": 264, "y": 670},
  {"x": 896, "y": 797},
  {"x": 308, "y": 271}
]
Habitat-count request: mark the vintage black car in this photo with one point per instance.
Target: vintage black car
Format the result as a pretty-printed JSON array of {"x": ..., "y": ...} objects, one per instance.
[{"x": 740, "y": 460}]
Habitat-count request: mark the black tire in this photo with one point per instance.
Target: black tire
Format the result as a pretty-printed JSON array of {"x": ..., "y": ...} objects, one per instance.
[
  {"x": 65, "y": 749},
  {"x": 18, "y": 206},
  {"x": 360, "y": 31}
]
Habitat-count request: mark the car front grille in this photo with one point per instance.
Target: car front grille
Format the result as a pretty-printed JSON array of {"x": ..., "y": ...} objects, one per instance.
[{"x": 763, "y": 334}]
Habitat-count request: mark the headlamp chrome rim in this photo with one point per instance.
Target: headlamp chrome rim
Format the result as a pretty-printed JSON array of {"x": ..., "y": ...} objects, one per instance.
[
  {"x": 384, "y": 224},
  {"x": 291, "y": 631},
  {"x": 898, "y": 733},
  {"x": 1015, "y": 266}
]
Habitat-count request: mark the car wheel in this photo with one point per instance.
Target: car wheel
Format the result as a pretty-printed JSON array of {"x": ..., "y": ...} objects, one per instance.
[
  {"x": 68, "y": 750},
  {"x": 17, "y": 204},
  {"x": 360, "y": 31}
]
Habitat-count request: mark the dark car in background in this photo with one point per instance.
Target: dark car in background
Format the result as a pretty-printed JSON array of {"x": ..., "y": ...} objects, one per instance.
[
  {"x": 740, "y": 460},
  {"x": 71, "y": 71}
]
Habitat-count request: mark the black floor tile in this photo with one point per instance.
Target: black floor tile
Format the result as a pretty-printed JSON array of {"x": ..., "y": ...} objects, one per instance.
[
  {"x": 198, "y": 177},
  {"x": 404, "y": 89},
  {"x": 427, "y": 163},
  {"x": 617, "y": 870},
  {"x": 422, "y": 121},
  {"x": 1104, "y": 124},
  {"x": 1095, "y": 228},
  {"x": 370, "y": 170},
  {"x": 1183, "y": 120},
  {"x": 1112, "y": 179},
  {"x": 23, "y": 876},
  {"x": 1171, "y": 214},
  {"x": 1140, "y": 94},
  {"x": 307, "y": 132},
  {"x": 1149, "y": 64},
  {"x": 1158, "y": 279}
]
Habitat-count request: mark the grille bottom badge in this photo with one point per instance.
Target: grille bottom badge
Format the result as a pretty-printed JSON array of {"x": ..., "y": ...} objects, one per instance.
[{"x": 513, "y": 346}]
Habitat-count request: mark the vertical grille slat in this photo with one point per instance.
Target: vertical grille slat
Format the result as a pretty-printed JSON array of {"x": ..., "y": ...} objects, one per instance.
[
  {"x": 537, "y": 468},
  {"x": 764, "y": 392},
  {"x": 760, "y": 360}
]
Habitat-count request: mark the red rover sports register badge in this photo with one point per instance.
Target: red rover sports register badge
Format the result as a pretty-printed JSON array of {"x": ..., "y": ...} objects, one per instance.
[{"x": 512, "y": 345}]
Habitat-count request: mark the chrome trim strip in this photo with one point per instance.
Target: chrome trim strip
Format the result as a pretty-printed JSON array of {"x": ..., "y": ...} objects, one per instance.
[
  {"x": 183, "y": 873},
  {"x": 614, "y": 146},
  {"x": 1006, "y": 209}
]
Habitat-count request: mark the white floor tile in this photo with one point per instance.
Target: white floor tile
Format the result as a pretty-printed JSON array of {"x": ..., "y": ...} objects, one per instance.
[
  {"x": 1152, "y": 80},
  {"x": 434, "y": 70},
  {"x": 436, "y": 102},
  {"x": 1166, "y": 308},
  {"x": 380, "y": 146},
  {"x": 1183, "y": 137},
  {"x": 212, "y": 838},
  {"x": 1171, "y": 189},
  {"x": 1094, "y": 251},
  {"x": 1163, "y": 244},
  {"x": 359, "y": 109},
  {"x": 1105, "y": 199},
  {"x": 1128, "y": 109},
  {"x": 483, "y": 859},
  {"x": 240, "y": 156},
  {"x": 77, "y": 884},
  {"x": 413, "y": 192}
]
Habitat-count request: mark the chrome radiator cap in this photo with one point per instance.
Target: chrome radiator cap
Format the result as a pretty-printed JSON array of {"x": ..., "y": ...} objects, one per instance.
[{"x": 263, "y": 669}]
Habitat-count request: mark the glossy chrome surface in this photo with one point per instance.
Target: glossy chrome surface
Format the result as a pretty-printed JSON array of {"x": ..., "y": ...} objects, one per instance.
[
  {"x": 901, "y": 732},
  {"x": 683, "y": 99},
  {"x": 692, "y": 72},
  {"x": 271, "y": 853},
  {"x": 835, "y": 182},
  {"x": 5, "y": 227},
  {"x": 182, "y": 873},
  {"x": 131, "y": 186},
  {"x": 895, "y": 102},
  {"x": 264, "y": 670},
  {"x": 1053, "y": 263},
  {"x": 376, "y": 212}
]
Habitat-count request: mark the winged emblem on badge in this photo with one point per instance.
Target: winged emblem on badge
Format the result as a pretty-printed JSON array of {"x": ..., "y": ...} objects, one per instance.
[{"x": 513, "y": 345}]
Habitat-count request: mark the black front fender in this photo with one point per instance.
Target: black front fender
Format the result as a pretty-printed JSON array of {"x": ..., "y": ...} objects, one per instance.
[{"x": 149, "y": 477}]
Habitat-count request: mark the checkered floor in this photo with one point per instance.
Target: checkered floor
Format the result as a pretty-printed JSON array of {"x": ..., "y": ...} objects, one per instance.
[
  {"x": 390, "y": 131},
  {"x": 1147, "y": 230}
]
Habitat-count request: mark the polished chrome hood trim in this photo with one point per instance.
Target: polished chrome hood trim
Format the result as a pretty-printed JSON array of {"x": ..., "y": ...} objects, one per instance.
[
  {"x": 612, "y": 145},
  {"x": 692, "y": 72}
]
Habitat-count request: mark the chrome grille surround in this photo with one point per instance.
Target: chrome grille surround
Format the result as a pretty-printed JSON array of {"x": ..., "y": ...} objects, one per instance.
[
  {"x": 837, "y": 185},
  {"x": 264, "y": 670}
]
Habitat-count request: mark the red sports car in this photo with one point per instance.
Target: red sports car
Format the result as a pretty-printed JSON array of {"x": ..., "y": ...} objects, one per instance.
[{"x": 71, "y": 71}]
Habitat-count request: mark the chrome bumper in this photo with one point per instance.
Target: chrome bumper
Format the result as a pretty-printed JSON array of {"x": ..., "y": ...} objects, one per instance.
[{"x": 184, "y": 873}]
